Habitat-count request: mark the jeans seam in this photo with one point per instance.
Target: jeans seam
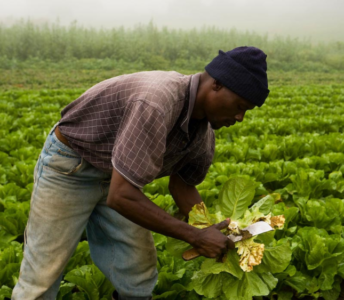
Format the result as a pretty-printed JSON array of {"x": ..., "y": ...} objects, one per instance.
[
  {"x": 111, "y": 242},
  {"x": 102, "y": 189},
  {"x": 37, "y": 179},
  {"x": 66, "y": 154}
]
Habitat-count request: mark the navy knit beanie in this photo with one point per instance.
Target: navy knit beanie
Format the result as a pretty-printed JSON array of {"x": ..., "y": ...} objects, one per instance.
[{"x": 243, "y": 71}]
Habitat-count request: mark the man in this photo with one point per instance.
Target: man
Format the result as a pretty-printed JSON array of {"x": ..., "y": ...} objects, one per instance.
[{"x": 117, "y": 137}]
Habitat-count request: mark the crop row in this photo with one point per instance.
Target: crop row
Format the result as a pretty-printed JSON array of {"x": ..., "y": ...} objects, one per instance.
[
  {"x": 272, "y": 147},
  {"x": 291, "y": 148},
  {"x": 325, "y": 96}
]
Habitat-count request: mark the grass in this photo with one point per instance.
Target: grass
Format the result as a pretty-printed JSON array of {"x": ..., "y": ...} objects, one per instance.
[{"x": 149, "y": 47}]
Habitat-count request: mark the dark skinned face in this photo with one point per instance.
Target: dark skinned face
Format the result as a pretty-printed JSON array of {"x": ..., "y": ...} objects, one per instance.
[{"x": 222, "y": 107}]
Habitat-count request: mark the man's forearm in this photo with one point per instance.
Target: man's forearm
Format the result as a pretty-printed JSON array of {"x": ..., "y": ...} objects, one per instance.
[
  {"x": 186, "y": 199},
  {"x": 185, "y": 196},
  {"x": 136, "y": 207}
]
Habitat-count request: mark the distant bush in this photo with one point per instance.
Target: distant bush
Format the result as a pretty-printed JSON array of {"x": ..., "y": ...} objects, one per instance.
[{"x": 148, "y": 47}]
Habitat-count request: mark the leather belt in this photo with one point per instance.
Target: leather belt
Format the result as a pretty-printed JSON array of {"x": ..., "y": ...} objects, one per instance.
[{"x": 61, "y": 138}]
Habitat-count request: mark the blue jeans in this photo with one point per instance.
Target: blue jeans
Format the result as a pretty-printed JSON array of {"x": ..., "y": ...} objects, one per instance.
[{"x": 69, "y": 195}]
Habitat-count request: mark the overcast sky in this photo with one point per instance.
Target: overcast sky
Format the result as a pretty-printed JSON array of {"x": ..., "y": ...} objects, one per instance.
[{"x": 319, "y": 20}]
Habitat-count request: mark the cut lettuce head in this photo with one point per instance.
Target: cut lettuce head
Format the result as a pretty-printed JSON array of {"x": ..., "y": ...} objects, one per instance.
[
  {"x": 249, "y": 270},
  {"x": 251, "y": 254},
  {"x": 277, "y": 222}
]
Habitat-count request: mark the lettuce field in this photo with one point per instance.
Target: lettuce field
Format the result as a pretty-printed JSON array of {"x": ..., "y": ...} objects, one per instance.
[{"x": 288, "y": 154}]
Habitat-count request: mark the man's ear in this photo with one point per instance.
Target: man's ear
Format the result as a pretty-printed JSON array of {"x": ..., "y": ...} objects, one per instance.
[{"x": 217, "y": 85}]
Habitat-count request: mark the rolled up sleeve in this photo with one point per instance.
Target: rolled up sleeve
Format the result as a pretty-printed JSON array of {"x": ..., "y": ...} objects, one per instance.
[{"x": 140, "y": 144}]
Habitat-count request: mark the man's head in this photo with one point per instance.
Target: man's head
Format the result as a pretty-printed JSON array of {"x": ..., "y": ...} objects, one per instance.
[{"x": 233, "y": 83}]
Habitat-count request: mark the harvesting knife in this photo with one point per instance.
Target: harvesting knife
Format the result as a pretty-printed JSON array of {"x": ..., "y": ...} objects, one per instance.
[{"x": 246, "y": 233}]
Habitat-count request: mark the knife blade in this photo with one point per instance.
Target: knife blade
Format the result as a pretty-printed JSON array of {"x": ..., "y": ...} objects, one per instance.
[{"x": 250, "y": 231}]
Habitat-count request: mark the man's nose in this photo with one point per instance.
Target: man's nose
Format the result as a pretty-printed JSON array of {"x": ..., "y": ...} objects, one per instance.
[{"x": 240, "y": 117}]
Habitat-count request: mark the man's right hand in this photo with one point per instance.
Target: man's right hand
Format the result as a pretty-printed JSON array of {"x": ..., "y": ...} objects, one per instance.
[{"x": 211, "y": 242}]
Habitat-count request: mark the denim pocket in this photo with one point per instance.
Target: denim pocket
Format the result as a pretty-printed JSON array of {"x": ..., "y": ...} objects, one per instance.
[{"x": 63, "y": 162}]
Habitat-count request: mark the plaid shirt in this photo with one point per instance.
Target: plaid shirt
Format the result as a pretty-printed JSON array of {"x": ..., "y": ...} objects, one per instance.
[{"x": 140, "y": 125}]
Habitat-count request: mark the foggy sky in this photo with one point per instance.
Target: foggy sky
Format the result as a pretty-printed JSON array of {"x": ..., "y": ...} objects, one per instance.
[{"x": 318, "y": 20}]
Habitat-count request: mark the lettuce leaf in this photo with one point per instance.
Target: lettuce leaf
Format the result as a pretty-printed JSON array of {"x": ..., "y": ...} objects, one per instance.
[
  {"x": 325, "y": 214},
  {"x": 251, "y": 284},
  {"x": 314, "y": 246},
  {"x": 209, "y": 285},
  {"x": 199, "y": 216},
  {"x": 276, "y": 259},
  {"x": 236, "y": 196},
  {"x": 229, "y": 264}
]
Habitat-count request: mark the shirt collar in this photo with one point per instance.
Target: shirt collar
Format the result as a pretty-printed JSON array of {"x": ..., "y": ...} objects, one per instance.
[{"x": 194, "y": 82}]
